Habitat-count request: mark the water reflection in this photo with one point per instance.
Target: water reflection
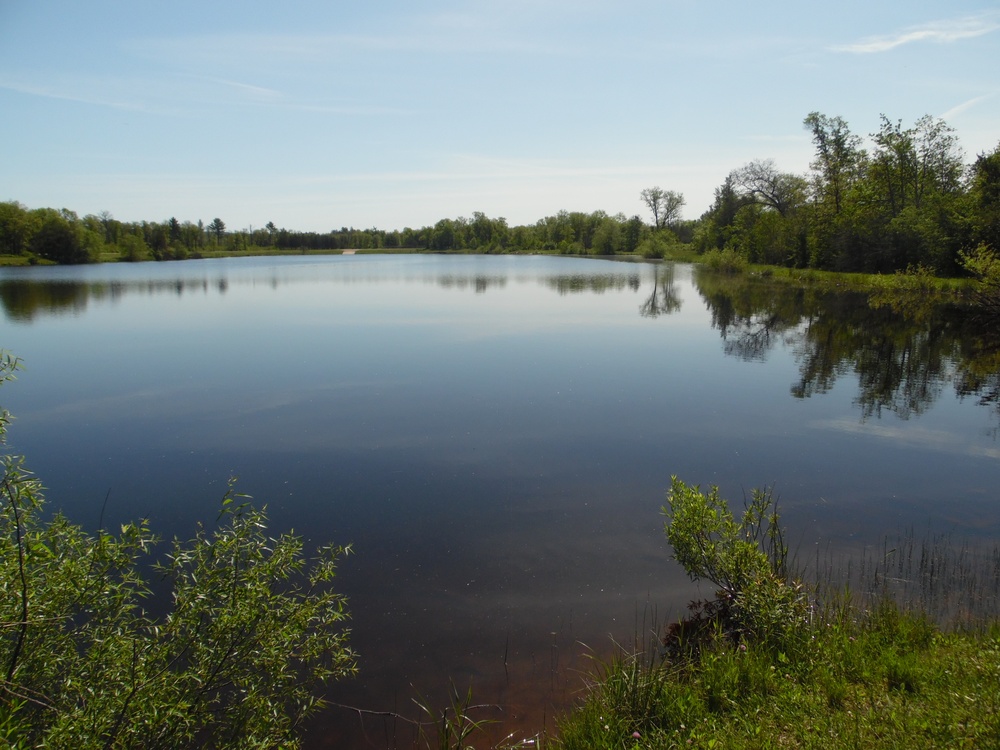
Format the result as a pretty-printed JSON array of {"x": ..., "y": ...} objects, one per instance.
[
  {"x": 664, "y": 298},
  {"x": 25, "y": 300},
  {"x": 903, "y": 354},
  {"x": 479, "y": 282},
  {"x": 597, "y": 283},
  {"x": 903, "y": 350},
  {"x": 751, "y": 317},
  {"x": 26, "y": 294}
]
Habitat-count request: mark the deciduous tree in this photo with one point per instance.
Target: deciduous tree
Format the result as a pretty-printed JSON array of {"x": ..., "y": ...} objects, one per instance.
[
  {"x": 57, "y": 238},
  {"x": 839, "y": 157},
  {"x": 665, "y": 205},
  {"x": 762, "y": 183}
]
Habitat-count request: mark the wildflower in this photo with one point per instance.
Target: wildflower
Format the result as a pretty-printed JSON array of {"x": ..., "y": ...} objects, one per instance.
[
  {"x": 743, "y": 648},
  {"x": 636, "y": 735}
]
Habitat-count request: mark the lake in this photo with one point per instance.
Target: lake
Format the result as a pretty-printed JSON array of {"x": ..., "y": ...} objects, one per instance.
[{"x": 495, "y": 437}]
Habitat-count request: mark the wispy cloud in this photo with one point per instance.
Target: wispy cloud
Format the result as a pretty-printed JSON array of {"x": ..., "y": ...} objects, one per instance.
[
  {"x": 966, "y": 105},
  {"x": 944, "y": 31},
  {"x": 257, "y": 92},
  {"x": 175, "y": 95},
  {"x": 266, "y": 51},
  {"x": 49, "y": 92},
  {"x": 360, "y": 110},
  {"x": 145, "y": 93}
]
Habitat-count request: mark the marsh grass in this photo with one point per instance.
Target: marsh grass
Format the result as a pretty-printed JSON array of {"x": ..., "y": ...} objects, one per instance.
[
  {"x": 901, "y": 649},
  {"x": 451, "y": 728},
  {"x": 953, "y": 583},
  {"x": 896, "y": 646}
]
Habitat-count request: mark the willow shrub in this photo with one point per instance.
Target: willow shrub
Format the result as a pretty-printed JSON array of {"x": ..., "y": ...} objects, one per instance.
[
  {"x": 253, "y": 629},
  {"x": 746, "y": 558}
]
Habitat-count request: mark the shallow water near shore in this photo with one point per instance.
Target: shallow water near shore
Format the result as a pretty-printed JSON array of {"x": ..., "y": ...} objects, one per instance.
[{"x": 494, "y": 436}]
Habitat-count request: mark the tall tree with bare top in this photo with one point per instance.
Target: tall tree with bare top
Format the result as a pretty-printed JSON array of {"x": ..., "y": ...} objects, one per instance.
[{"x": 665, "y": 205}]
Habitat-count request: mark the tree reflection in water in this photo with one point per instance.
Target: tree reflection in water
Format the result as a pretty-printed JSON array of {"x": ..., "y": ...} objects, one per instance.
[{"x": 903, "y": 347}]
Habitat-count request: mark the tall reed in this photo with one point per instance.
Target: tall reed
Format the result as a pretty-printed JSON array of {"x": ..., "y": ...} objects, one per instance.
[{"x": 954, "y": 583}]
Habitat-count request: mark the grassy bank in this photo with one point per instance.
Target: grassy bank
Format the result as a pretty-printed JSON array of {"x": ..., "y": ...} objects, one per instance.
[
  {"x": 910, "y": 659},
  {"x": 913, "y": 280},
  {"x": 879, "y": 678}
]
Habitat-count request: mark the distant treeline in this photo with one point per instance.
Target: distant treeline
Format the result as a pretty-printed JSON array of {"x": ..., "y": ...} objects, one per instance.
[
  {"x": 908, "y": 200},
  {"x": 64, "y": 237}
]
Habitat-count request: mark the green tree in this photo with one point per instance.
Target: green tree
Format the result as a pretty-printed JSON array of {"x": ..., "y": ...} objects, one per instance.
[
  {"x": 911, "y": 198},
  {"x": 665, "y": 205},
  {"x": 112, "y": 227},
  {"x": 715, "y": 224},
  {"x": 607, "y": 239},
  {"x": 58, "y": 239},
  {"x": 764, "y": 236},
  {"x": 940, "y": 160},
  {"x": 15, "y": 228},
  {"x": 893, "y": 171},
  {"x": 839, "y": 158},
  {"x": 836, "y": 240},
  {"x": 911, "y": 166},
  {"x": 632, "y": 234},
  {"x": 481, "y": 230},
  {"x": 253, "y": 629},
  {"x": 133, "y": 248},
  {"x": 762, "y": 183},
  {"x": 174, "y": 229},
  {"x": 218, "y": 228},
  {"x": 443, "y": 235},
  {"x": 757, "y": 214},
  {"x": 158, "y": 240},
  {"x": 985, "y": 200}
]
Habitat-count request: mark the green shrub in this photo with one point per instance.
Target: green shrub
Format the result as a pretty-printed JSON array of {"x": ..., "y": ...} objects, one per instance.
[
  {"x": 747, "y": 559},
  {"x": 984, "y": 264},
  {"x": 253, "y": 629},
  {"x": 725, "y": 261}
]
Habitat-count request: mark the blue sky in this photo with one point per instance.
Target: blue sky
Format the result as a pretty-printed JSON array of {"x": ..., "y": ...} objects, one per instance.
[{"x": 317, "y": 115}]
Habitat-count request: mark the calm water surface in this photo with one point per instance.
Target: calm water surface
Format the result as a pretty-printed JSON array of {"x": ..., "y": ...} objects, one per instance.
[{"x": 494, "y": 435}]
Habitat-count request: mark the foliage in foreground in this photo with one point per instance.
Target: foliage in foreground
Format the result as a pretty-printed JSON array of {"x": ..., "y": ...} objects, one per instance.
[
  {"x": 984, "y": 264},
  {"x": 252, "y": 630},
  {"x": 846, "y": 676},
  {"x": 747, "y": 560},
  {"x": 879, "y": 679}
]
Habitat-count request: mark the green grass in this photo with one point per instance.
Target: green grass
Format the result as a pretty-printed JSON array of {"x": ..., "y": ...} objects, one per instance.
[
  {"x": 910, "y": 659},
  {"x": 14, "y": 260},
  {"x": 918, "y": 281},
  {"x": 879, "y": 679}
]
